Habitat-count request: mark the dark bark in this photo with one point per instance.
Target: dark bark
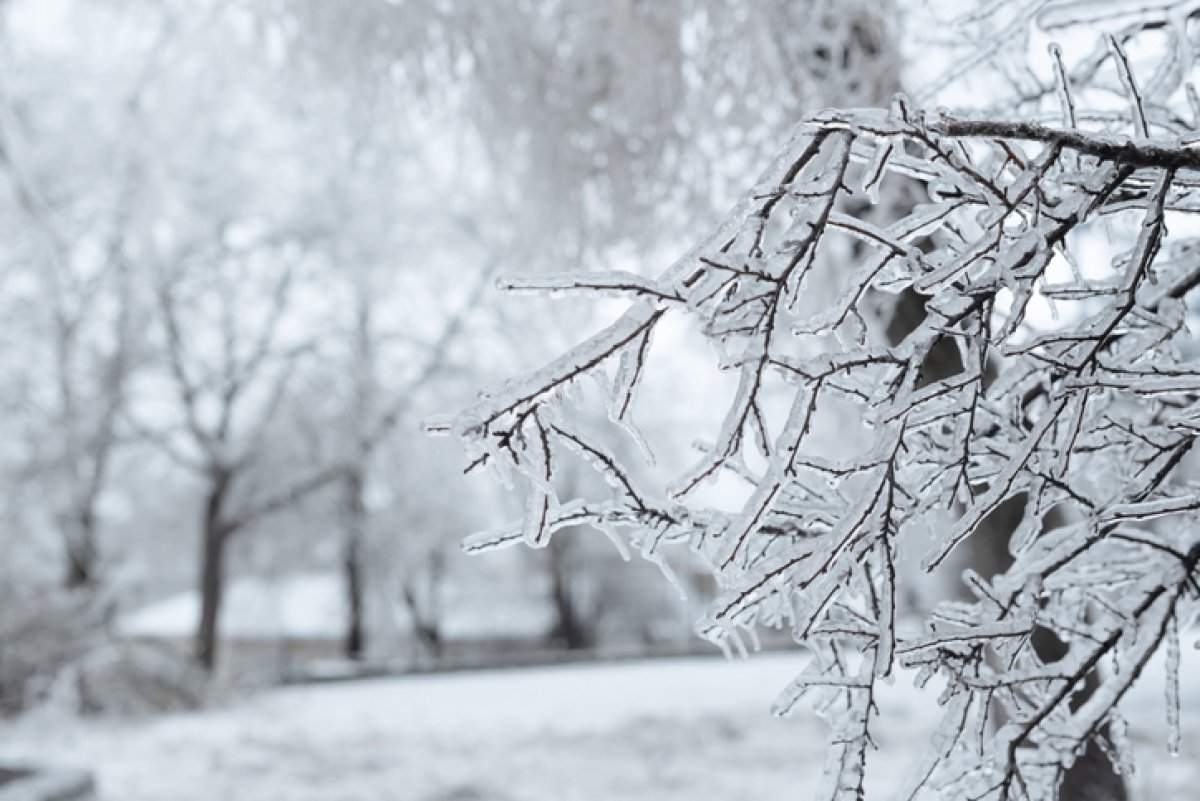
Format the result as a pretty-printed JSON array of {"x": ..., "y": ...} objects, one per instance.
[
  {"x": 354, "y": 518},
  {"x": 573, "y": 629},
  {"x": 426, "y": 613},
  {"x": 429, "y": 635},
  {"x": 214, "y": 537},
  {"x": 354, "y": 508},
  {"x": 219, "y": 525},
  {"x": 81, "y": 552}
]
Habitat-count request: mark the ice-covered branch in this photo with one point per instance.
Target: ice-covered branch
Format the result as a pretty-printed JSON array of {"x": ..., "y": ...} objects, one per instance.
[{"x": 1027, "y": 380}]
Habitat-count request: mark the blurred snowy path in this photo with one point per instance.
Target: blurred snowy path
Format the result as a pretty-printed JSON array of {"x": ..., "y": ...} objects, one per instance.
[{"x": 694, "y": 729}]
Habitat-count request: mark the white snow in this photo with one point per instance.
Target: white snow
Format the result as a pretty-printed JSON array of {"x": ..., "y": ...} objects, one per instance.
[{"x": 695, "y": 729}]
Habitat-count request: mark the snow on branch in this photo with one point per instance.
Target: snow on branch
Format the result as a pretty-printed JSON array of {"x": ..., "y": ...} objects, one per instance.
[{"x": 1088, "y": 410}]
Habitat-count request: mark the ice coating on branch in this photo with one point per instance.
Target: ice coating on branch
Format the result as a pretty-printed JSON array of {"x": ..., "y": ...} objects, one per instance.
[
  {"x": 984, "y": 417},
  {"x": 612, "y": 284}
]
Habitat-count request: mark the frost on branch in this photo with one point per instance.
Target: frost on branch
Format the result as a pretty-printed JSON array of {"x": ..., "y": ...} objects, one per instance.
[{"x": 1085, "y": 416}]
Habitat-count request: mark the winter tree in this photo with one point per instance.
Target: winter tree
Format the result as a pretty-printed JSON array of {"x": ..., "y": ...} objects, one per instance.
[
  {"x": 70, "y": 203},
  {"x": 1071, "y": 390},
  {"x": 233, "y": 244}
]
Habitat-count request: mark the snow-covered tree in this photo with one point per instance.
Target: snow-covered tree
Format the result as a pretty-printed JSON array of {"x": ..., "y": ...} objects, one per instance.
[{"x": 1070, "y": 388}]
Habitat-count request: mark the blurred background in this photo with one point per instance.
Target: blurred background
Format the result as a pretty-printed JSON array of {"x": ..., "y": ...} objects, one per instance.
[{"x": 251, "y": 244}]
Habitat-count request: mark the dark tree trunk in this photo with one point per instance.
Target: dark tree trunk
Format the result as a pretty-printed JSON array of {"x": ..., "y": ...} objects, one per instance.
[
  {"x": 212, "y": 569},
  {"x": 354, "y": 508},
  {"x": 426, "y": 613},
  {"x": 572, "y": 629},
  {"x": 430, "y": 637},
  {"x": 354, "y": 518},
  {"x": 81, "y": 551}
]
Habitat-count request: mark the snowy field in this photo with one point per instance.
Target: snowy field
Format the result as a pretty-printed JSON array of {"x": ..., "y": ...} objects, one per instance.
[{"x": 694, "y": 729}]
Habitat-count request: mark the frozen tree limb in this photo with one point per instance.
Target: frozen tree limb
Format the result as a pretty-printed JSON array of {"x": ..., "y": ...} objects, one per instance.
[{"x": 1090, "y": 412}]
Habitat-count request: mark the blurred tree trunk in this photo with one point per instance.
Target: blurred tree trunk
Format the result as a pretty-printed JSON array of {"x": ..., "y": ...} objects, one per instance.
[
  {"x": 363, "y": 442},
  {"x": 90, "y": 466},
  {"x": 81, "y": 550},
  {"x": 214, "y": 537},
  {"x": 426, "y": 615},
  {"x": 220, "y": 524},
  {"x": 354, "y": 522},
  {"x": 574, "y": 628}
]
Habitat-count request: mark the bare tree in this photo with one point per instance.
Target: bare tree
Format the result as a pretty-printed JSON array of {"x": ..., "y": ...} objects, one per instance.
[
  {"x": 89, "y": 297},
  {"x": 229, "y": 377}
]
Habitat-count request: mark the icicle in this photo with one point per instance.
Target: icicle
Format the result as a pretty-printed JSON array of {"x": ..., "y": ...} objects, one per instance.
[
  {"x": 501, "y": 467},
  {"x": 1172, "y": 637},
  {"x": 632, "y": 430},
  {"x": 876, "y": 170},
  {"x": 657, "y": 559},
  {"x": 732, "y": 636},
  {"x": 538, "y": 507},
  {"x": 1063, "y": 86},
  {"x": 623, "y": 394},
  {"x": 1193, "y": 99},
  {"x": 1122, "y": 748},
  {"x": 1132, "y": 92},
  {"x": 615, "y": 538}
]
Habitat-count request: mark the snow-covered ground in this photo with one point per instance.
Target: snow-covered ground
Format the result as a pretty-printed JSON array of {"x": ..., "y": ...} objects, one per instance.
[{"x": 694, "y": 729}]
